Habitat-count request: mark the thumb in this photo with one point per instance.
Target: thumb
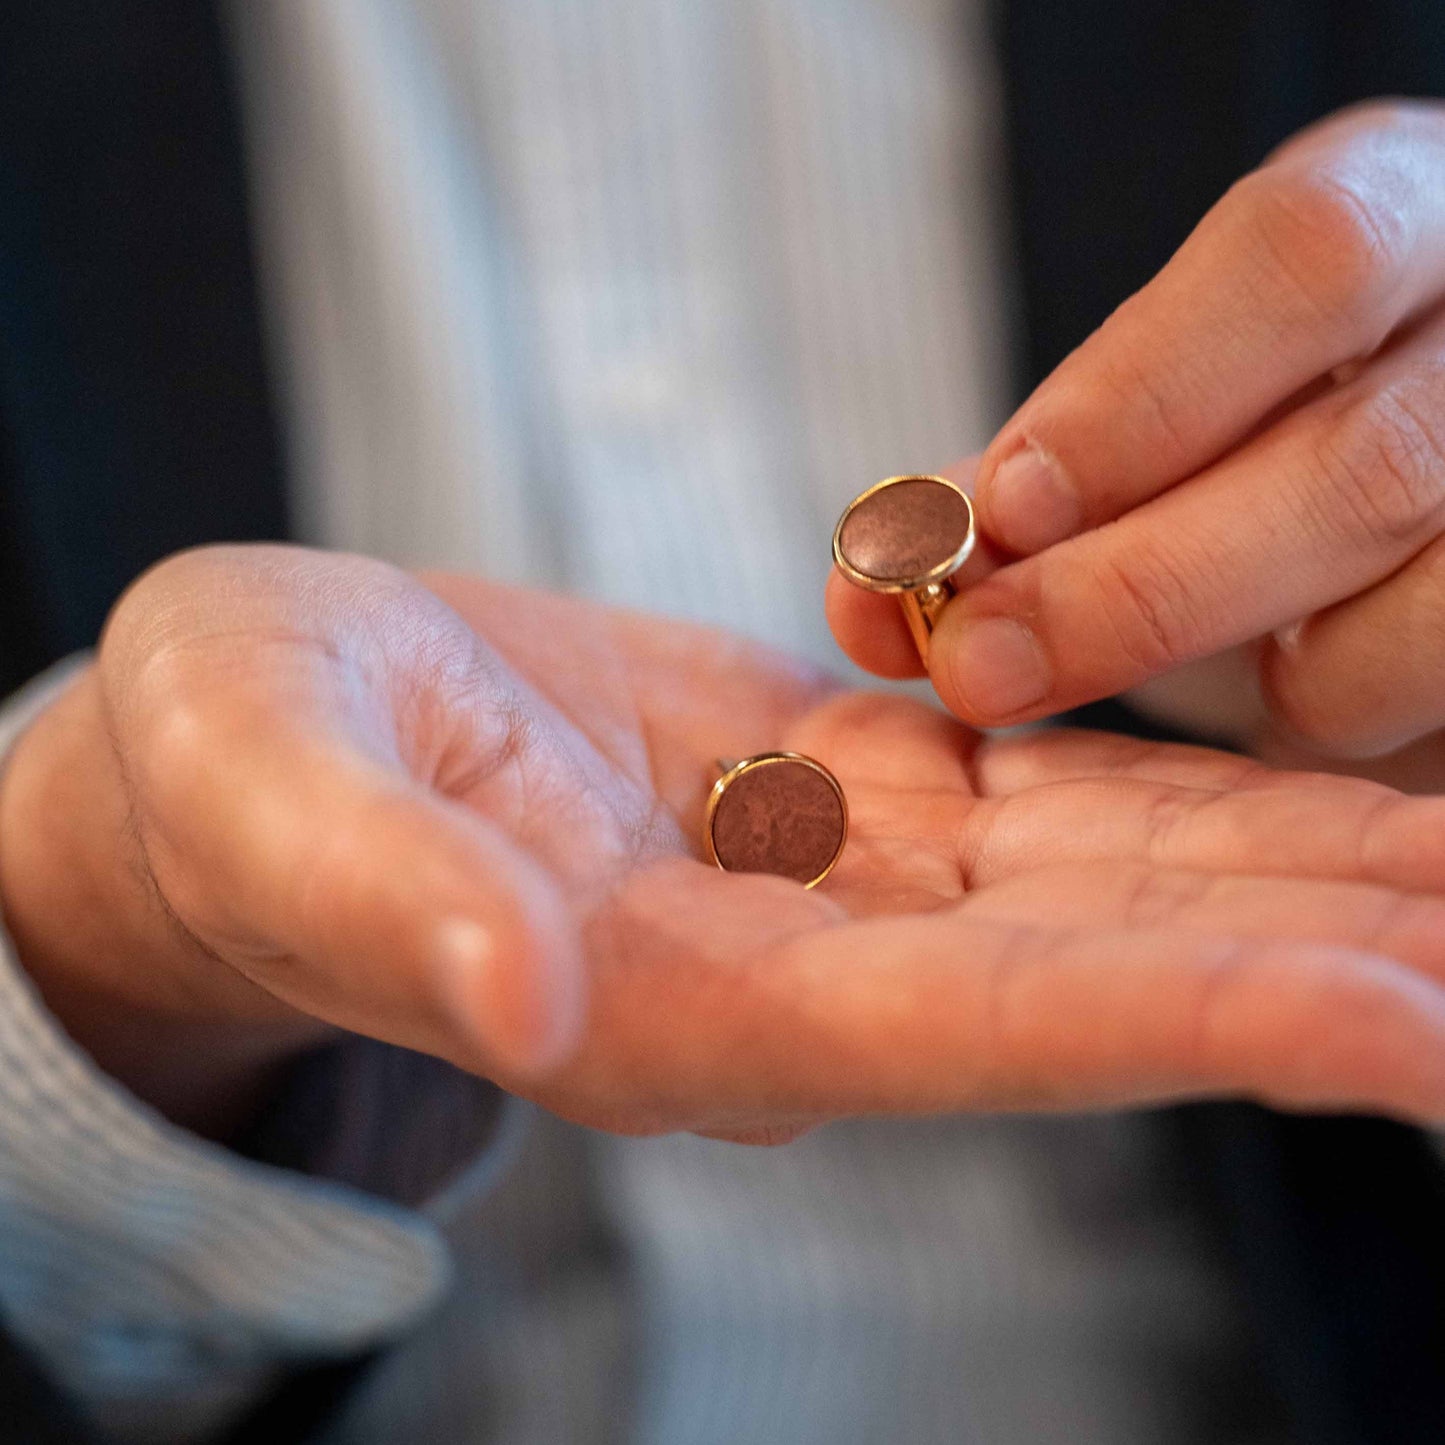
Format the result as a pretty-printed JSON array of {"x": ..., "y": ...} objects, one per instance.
[{"x": 354, "y": 893}]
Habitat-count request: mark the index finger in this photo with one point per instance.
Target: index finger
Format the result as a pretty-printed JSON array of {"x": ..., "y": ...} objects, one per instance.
[
  {"x": 1335, "y": 497},
  {"x": 1308, "y": 263}
]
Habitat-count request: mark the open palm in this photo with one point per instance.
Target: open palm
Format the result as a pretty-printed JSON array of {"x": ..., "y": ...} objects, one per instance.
[
  {"x": 1060, "y": 919},
  {"x": 465, "y": 818}
]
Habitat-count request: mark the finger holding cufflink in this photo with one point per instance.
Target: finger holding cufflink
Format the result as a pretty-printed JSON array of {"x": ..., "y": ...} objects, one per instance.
[{"x": 908, "y": 536}]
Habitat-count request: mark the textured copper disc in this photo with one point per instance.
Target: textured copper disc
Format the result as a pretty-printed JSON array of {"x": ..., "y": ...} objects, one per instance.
[
  {"x": 778, "y": 814},
  {"x": 903, "y": 530}
]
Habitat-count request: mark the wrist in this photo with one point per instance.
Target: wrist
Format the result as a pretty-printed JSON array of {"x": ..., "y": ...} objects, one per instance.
[{"x": 157, "y": 1011}]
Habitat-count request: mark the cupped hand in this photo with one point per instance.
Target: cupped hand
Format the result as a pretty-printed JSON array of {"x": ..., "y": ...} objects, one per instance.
[
  {"x": 302, "y": 792},
  {"x": 1251, "y": 450},
  {"x": 1061, "y": 920},
  {"x": 1057, "y": 920},
  {"x": 297, "y": 791}
]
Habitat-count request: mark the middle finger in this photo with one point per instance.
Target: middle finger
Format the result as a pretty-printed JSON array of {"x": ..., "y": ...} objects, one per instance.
[{"x": 1336, "y": 496}]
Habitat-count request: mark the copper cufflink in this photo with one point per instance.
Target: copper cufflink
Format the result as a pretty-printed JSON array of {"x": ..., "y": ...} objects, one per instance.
[
  {"x": 907, "y": 536},
  {"x": 784, "y": 813},
  {"x": 779, "y": 813}
]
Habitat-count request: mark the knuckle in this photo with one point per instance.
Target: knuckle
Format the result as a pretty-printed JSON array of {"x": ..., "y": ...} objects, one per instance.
[
  {"x": 170, "y": 752},
  {"x": 1335, "y": 244},
  {"x": 1384, "y": 459},
  {"x": 169, "y": 763},
  {"x": 157, "y": 611}
]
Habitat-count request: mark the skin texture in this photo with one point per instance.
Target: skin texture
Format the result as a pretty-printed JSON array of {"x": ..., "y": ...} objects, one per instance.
[
  {"x": 301, "y": 792},
  {"x": 1249, "y": 454}
]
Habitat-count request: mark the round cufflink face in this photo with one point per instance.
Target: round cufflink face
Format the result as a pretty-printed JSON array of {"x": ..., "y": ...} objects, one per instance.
[
  {"x": 904, "y": 534},
  {"x": 777, "y": 813}
]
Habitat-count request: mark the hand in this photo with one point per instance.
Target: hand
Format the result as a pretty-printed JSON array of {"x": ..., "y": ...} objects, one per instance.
[
  {"x": 308, "y": 792},
  {"x": 298, "y": 792},
  {"x": 1060, "y": 920},
  {"x": 1251, "y": 450}
]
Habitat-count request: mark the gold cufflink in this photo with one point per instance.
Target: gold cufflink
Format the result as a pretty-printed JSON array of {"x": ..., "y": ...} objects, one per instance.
[
  {"x": 907, "y": 536},
  {"x": 777, "y": 813}
]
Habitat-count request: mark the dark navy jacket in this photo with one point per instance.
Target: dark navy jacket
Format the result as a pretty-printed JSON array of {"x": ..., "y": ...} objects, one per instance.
[{"x": 136, "y": 418}]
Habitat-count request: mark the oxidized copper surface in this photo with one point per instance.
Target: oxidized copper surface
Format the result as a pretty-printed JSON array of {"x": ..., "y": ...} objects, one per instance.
[
  {"x": 779, "y": 817},
  {"x": 905, "y": 530}
]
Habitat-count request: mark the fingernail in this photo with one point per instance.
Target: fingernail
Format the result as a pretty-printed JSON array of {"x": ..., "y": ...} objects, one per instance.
[
  {"x": 998, "y": 669},
  {"x": 1031, "y": 504}
]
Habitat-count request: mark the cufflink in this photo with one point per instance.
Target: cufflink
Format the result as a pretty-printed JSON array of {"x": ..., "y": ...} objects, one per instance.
[
  {"x": 907, "y": 536},
  {"x": 779, "y": 813}
]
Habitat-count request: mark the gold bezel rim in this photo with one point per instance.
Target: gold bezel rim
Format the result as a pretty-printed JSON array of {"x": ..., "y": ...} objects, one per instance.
[
  {"x": 761, "y": 760},
  {"x": 946, "y": 568}
]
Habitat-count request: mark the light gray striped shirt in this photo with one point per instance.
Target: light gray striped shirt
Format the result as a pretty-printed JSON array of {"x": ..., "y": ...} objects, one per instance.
[{"x": 628, "y": 296}]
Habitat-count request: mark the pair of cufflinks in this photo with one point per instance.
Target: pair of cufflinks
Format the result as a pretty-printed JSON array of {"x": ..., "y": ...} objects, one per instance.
[{"x": 784, "y": 813}]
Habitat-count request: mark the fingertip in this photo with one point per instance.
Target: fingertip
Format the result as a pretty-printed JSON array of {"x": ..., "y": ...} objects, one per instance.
[
  {"x": 870, "y": 629},
  {"x": 513, "y": 981},
  {"x": 989, "y": 670},
  {"x": 1026, "y": 500},
  {"x": 430, "y": 927}
]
